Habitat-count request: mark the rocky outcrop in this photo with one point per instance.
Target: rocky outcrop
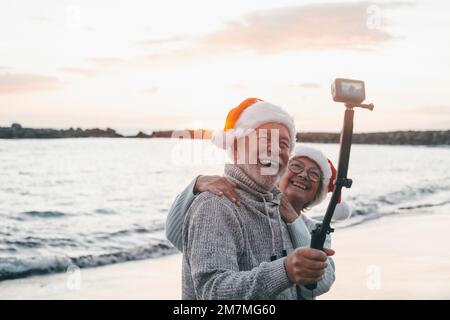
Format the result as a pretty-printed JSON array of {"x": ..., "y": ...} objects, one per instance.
[
  {"x": 16, "y": 131},
  {"x": 428, "y": 138},
  {"x": 143, "y": 135}
]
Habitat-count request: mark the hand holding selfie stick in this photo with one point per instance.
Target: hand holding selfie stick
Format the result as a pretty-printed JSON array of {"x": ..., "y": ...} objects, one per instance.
[{"x": 352, "y": 93}]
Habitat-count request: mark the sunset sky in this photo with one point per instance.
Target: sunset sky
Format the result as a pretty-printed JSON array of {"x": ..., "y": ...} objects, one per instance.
[{"x": 146, "y": 64}]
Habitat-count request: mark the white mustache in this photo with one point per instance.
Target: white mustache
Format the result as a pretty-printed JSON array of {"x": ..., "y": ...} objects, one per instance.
[{"x": 270, "y": 161}]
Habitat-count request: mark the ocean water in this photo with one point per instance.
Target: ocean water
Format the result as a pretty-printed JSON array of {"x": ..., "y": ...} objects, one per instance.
[{"x": 92, "y": 202}]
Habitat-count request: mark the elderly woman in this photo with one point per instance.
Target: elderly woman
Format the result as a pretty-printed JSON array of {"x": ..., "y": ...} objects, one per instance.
[{"x": 306, "y": 182}]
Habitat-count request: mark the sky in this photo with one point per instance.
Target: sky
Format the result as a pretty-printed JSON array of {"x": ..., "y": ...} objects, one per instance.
[{"x": 174, "y": 64}]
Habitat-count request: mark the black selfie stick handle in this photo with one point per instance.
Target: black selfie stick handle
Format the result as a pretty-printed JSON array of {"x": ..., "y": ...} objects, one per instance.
[{"x": 319, "y": 234}]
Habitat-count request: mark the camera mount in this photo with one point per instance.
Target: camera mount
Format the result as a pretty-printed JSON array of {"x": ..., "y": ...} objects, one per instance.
[{"x": 352, "y": 94}]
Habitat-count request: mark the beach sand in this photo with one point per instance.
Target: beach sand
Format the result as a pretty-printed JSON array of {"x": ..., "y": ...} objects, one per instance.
[{"x": 398, "y": 257}]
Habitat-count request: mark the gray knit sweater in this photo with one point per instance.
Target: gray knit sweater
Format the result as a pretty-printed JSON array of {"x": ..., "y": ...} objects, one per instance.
[{"x": 228, "y": 248}]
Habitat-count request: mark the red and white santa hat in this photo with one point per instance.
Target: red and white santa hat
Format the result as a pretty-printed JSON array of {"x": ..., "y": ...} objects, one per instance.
[
  {"x": 249, "y": 115},
  {"x": 343, "y": 210}
]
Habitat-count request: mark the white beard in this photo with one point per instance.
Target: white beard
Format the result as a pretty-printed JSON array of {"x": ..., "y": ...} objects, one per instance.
[{"x": 268, "y": 182}]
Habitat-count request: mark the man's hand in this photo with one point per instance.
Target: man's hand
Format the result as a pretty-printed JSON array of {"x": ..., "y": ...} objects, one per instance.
[
  {"x": 305, "y": 265},
  {"x": 217, "y": 185},
  {"x": 287, "y": 212}
]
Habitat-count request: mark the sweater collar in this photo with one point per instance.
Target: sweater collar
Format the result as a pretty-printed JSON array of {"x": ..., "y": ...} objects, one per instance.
[{"x": 244, "y": 182}]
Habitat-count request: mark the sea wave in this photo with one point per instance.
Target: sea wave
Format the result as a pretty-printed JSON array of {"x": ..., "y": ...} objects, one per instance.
[
  {"x": 392, "y": 203},
  {"x": 412, "y": 192},
  {"x": 14, "y": 268},
  {"x": 425, "y": 205},
  {"x": 44, "y": 214}
]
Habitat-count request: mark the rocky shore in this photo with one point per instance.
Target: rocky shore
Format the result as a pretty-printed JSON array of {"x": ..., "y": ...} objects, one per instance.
[
  {"x": 16, "y": 131},
  {"x": 429, "y": 138}
]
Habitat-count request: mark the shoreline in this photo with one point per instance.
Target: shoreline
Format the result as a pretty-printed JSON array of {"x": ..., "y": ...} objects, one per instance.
[
  {"x": 143, "y": 279},
  {"x": 394, "y": 257},
  {"x": 413, "y": 138}
]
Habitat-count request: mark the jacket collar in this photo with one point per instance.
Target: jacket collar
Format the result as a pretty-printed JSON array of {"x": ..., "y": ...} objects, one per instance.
[{"x": 244, "y": 182}]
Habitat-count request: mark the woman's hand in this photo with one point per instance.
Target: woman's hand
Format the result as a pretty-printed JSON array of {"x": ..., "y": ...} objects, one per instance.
[
  {"x": 287, "y": 211},
  {"x": 217, "y": 185}
]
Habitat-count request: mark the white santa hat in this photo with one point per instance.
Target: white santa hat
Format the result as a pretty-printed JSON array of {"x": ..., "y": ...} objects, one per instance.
[
  {"x": 342, "y": 210},
  {"x": 249, "y": 115}
]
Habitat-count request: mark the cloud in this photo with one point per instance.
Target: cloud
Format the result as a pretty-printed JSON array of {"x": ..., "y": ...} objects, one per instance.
[
  {"x": 239, "y": 86},
  {"x": 100, "y": 63},
  {"x": 40, "y": 19},
  {"x": 442, "y": 110},
  {"x": 107, "y": 61},
  {"x": 439, "y": 109},
  {"x": 152, "y": 89},
  {"x": 182, "y": 53},
  {"x": 289, "y": 29},
  {"x": 306, "y": 85},
  {"x": 17, "y": 83},
  {"x": 314, "y": 26},
  {"x": 85, "y": 72},
  {"x": 162, "y": 41}
]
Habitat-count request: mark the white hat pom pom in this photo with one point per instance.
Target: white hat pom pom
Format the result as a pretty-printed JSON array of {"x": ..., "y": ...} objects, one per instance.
[{"x": 342, "y": 211}]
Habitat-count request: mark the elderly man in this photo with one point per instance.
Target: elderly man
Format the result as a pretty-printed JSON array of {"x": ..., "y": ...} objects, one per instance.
[{"x": 236, "y": 251}]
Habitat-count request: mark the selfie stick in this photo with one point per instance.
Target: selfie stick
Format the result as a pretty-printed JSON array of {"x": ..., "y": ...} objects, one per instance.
[{"x": 319, "y": 234}]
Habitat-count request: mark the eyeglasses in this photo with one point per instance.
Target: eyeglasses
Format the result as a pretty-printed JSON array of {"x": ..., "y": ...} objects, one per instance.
[{"x": 297, "y": 167}]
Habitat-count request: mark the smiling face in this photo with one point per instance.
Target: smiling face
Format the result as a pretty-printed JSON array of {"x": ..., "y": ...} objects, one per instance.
[
  {"x": 270, "y": 152},
  {"x": 273, "y": 135},
  {"x": 301, "y": 188}
]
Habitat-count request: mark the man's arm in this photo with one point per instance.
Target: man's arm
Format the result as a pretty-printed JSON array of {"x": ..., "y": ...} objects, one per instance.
[
  {"x": 214, "y": 184},
  {"x": 213, "y": 243}
]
